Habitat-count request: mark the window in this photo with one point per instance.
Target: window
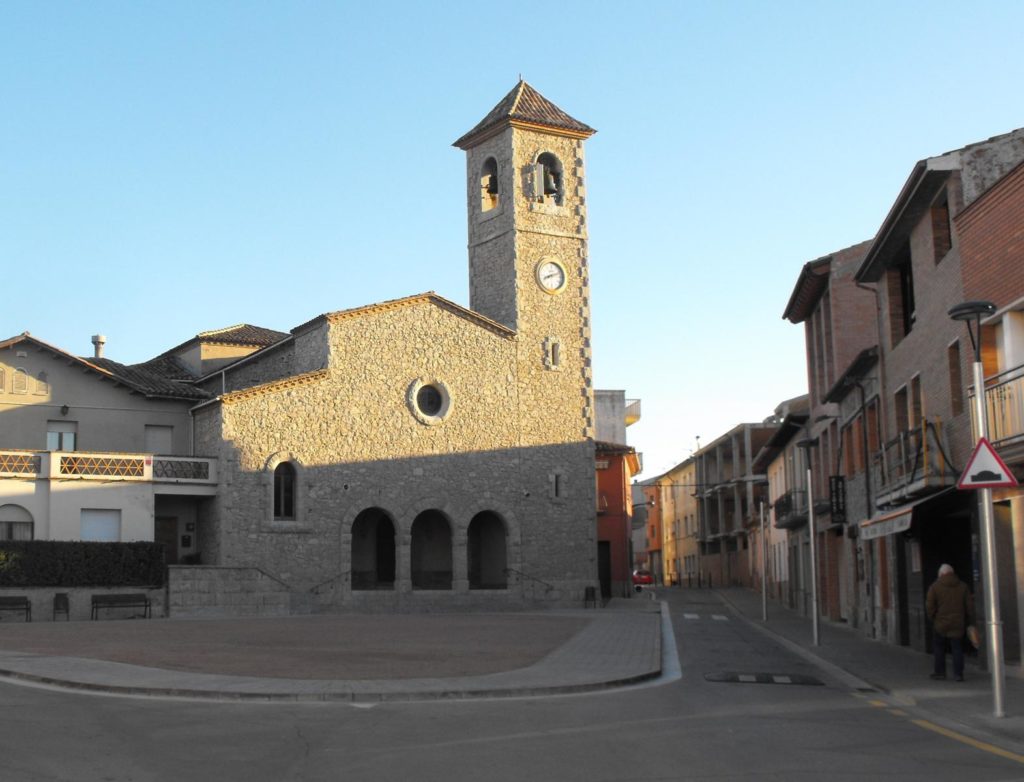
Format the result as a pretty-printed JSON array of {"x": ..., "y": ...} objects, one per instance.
[
  {"x": 901, "y": 410},
  {"x": 429, "y": 401},
  {"x": 942, "y": 234},
  {"x": 871, "y": 422},
  {"x": 557, "y": 485},
  {"x": 900, "y": 284},
  {"x": 3, "y": 381},
  {"x": 547, "y": 180},
  {"x": 103, "y": 525},
  {"x": 916, "y": 410},
  {"x": 284, "y": 492},
  {"x": 42, "y": 385},
  {"x": 489, "y": 185},
  {"x": 956, "y": 383},
  {"x": 15, "y": 523},
  {"x": 20, "y": 384},
  {"x": 61, "y": 435},
  {"x": 552, "y": 353},
  {"x": 159, "y": 439}
]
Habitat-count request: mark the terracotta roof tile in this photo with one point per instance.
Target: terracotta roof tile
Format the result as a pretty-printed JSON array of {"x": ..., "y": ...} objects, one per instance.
[
  {"x": 524, "y": 105},
  {"x": 168, "y": 367},
  {"x": 147, "y": 382},
  {"x": 242, "y": 334}
]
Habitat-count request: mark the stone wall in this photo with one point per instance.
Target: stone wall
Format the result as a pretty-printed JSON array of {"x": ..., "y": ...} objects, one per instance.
[
  {"x": 514, "y": 438},
  {"x": 228, "y": 591},
  {"x": 327, "y": 425}
]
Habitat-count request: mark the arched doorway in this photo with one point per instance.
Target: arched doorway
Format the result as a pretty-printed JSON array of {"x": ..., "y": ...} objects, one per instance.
[
  {"x": 373, "y": 550},
  {"x": 487, "y": 552},
  {"x": 431, "y": 551}
]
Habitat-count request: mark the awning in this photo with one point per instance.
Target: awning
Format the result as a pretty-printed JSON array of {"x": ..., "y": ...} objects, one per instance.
[{"x": 896, "y": 520}]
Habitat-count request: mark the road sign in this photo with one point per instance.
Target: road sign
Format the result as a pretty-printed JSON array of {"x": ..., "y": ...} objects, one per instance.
[{"x": 985, "y": 470}]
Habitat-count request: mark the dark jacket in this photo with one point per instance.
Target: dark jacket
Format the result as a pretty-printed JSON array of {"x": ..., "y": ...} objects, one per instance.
[{"x": 950, "y": 606}]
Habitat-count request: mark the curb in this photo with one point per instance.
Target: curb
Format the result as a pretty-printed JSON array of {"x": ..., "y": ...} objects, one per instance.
[{"x": 562, "y": 672}]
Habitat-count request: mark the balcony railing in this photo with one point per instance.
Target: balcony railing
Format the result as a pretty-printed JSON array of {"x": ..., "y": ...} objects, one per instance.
[
  {"x": 912, "y": 464},
  {"x": 90, "y": 466},
  {"x": 791, "y": 509},
  {"x": 632, "y": 411},
  {"x": 184, "y": 469},
  {"x": 1004, "y": 403},
  {"x": 19, "y": 464}
]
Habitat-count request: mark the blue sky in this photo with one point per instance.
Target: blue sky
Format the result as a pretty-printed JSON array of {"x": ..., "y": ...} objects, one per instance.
[{"x": 167, "y": 168}]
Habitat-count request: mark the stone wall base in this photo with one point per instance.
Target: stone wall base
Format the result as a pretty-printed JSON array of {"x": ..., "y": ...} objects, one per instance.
[{"x": 80, "y": 603}]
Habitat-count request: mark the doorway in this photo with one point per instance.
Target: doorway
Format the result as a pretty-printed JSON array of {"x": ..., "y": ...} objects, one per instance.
[{"x": 166, "y": 533}]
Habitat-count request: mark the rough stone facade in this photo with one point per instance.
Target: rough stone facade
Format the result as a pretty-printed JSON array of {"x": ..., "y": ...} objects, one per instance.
[{"x": 490, "y": 495}]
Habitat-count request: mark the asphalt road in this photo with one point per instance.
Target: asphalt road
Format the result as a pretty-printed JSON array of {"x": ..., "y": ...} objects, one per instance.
[{"x": 741, "y": 707}]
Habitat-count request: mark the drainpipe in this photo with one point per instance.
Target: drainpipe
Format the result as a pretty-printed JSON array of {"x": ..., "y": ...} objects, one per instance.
[{"x": 880, "y": 425}]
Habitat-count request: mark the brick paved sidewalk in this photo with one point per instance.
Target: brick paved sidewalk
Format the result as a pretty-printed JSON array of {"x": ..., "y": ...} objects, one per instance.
[{"x": 399, "y": 656}]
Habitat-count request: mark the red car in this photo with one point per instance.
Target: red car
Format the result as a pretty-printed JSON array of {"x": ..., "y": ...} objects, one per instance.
[{"x": 642, "y": 578}]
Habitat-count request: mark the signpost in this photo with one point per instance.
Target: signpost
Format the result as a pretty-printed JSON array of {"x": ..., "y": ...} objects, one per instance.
[{"x": 986, "y": 471}]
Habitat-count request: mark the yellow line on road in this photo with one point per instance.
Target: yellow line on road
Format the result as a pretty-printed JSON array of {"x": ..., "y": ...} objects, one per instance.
[{"x": 984, "y": 747}]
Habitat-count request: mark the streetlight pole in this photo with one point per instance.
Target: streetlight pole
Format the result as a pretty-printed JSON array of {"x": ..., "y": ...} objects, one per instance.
[
  {"x": 764, "y": 565},
  {"x": 806, "y": 445},
  {"x": 814, "y": 556},
  {"x": 974, "y": 311}
]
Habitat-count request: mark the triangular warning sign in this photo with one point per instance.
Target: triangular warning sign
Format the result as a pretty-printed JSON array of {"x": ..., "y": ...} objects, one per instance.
[{"x": 985, "y": 470}]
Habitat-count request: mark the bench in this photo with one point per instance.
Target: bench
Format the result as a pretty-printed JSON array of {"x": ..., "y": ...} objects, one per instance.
[
  {"x": 136, "y": 600},
  {"x": 17, "y": 603}
]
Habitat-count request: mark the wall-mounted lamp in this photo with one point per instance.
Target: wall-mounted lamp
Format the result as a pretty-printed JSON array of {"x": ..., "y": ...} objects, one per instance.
[{"x": 64, "y": 409}]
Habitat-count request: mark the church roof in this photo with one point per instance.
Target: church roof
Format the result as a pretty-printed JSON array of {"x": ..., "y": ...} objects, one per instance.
[
  {"x": 421, "y": 298},
  {"x": 524, "y": 106}
]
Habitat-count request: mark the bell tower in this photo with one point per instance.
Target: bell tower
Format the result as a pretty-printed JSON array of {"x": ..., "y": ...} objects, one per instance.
[{"x": 528, "y": 265}]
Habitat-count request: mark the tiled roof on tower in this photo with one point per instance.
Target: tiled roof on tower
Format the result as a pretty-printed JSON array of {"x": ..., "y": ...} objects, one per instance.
[{"x": 524, "y": 106}]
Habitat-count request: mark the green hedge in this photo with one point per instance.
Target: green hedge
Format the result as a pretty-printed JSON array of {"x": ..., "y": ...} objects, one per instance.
[{"x": 42, "y": 563}]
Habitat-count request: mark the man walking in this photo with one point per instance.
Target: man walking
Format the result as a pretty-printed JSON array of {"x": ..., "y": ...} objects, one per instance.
[{"x": 950, "y": 609}]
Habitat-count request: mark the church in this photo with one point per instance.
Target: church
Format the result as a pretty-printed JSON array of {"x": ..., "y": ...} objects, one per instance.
[{"x": 413, "y": 454}]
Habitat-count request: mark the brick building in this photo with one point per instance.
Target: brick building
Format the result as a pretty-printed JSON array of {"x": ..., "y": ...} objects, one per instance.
[
  {"x": 839, "y": 320},
  {"x": 914, "y": 265},
  {"x": 991, "y": 235}
]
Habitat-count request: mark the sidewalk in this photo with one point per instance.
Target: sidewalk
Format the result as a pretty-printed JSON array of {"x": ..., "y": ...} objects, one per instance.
[
  {"x": 361, "y": 658},
  {"x": 897, "y": 673}
]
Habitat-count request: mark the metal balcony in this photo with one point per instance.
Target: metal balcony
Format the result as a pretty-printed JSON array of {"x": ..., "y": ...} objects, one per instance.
[
  {"x": 791, "y": 509},
  {"x": 912, "y": 464},
  {"x": 1004, "y": 404}
]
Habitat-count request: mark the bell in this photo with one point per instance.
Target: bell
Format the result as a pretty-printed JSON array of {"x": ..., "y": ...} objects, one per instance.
[
  {"x": 492, "y": 185},
  {"x": 550, "y": 188}
]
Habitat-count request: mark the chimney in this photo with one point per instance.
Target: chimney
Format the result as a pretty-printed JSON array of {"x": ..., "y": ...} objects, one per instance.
[{"x": 98, "y": 341}]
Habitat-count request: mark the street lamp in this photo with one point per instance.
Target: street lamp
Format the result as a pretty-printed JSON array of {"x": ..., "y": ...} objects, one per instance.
[
  {"x": 973, "y": 312},
  {"x": 806, "y": 446}
]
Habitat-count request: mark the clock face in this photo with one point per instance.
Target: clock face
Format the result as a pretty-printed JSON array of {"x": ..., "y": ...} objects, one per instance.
[{"x": 551, "y": 276}]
